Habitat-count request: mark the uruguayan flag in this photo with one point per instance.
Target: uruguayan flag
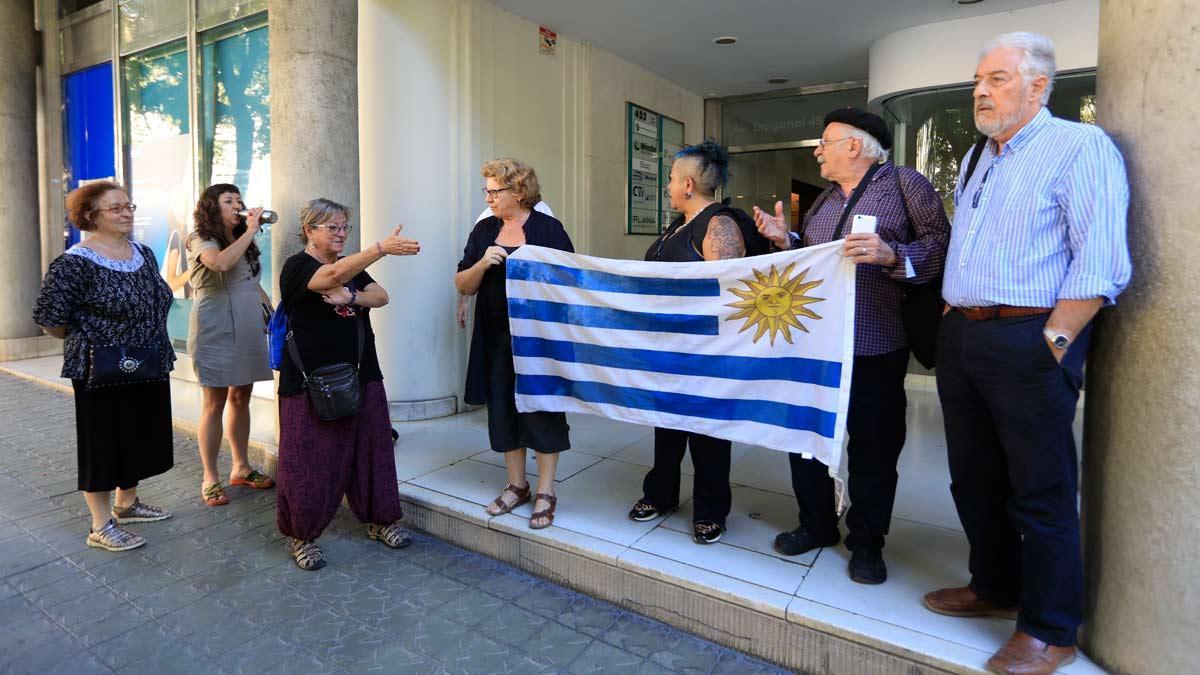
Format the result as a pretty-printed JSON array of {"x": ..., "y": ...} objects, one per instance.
[{"x": 757, "y": 350}]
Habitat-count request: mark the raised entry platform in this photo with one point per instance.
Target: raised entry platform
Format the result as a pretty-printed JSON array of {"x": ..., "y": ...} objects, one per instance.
[{"x": 803, "y": 613}]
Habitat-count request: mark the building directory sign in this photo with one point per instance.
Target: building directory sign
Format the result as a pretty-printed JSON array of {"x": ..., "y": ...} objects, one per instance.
[{"x": 653, "y": 141}]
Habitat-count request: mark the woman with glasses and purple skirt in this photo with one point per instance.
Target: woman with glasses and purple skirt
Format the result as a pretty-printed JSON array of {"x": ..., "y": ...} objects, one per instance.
[
  {"x": 100, "y": 292},
  {"x": 327, "y": 299},
  {"x": 226, "y": 333}
]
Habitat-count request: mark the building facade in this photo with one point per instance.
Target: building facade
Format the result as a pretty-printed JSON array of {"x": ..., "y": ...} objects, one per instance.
[{"x": 391, "y": 106}]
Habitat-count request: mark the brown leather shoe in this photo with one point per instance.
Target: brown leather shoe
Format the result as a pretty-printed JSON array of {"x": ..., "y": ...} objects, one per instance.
[
  {"x": 1024, "y": 654},
  {"x": 964, "y": 602}
]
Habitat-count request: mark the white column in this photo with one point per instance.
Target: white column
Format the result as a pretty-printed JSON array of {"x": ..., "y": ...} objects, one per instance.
[{"x": 417, "y": 167}]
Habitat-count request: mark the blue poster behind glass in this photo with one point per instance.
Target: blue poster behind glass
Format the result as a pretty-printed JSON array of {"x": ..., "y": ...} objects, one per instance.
[{"x": 88, "y": 148}]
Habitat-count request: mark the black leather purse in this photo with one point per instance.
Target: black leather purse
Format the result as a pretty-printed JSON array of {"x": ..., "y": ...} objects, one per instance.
[
  {"x": 333, "y": 389},
  {"x": 117, "y": 365},
  {"x": 921, "y": 304}
]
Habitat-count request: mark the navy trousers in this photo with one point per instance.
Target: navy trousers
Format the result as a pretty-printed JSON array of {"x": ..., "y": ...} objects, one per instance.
[
  {"x": 711, "y": 495},
  {"x": 875, "y": 424},
  {"x": 1008, "y": 408}
]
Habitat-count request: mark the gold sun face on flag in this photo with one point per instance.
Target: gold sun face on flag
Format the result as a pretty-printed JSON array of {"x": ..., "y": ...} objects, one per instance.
[{"x": 775, "y": 302}]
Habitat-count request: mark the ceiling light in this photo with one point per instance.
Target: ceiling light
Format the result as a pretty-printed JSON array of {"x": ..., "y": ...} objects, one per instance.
[
  {"x": 968, "y": 2},
  {"x": 777, "y": 80},
  {"x": 725, "y": 40}
]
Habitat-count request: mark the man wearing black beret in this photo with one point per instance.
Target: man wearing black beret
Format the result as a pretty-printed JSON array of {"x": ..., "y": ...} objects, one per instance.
[{"x": 907, "y": 247}]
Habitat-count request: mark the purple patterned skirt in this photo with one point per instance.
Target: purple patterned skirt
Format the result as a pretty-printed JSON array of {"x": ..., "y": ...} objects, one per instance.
[{"x": 320, "y": 462}]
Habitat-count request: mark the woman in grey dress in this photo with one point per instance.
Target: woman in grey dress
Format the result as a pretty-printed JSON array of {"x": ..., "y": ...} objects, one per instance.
[{"x": 227, "y": 336}]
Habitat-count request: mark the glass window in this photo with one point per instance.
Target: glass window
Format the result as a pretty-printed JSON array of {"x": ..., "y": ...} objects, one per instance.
[
  {"x": 66, "y": 7},
  {"x": 782, "y": 120},
  {"x": 86, "y": 42},
  {"x": 939, "y": 126},
  {"x": 88, "y": 143},
  {"x": 145, "y": 23},
  {"x": 235, "y": 117},
  {"x": 158, "y": 164},
  {"x": 212, "y": 12}
]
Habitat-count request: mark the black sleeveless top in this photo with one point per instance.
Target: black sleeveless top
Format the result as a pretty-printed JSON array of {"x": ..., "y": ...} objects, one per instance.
[{"x": 681, "y": 242}]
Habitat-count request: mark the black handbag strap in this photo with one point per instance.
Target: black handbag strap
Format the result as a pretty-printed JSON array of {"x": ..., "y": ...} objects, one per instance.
[
  {"x": 295, "y": 352},
  {"x": 976, "y": 152},
  {"x": 854, "y": 197},
  {"x": 912, "y": 227}
]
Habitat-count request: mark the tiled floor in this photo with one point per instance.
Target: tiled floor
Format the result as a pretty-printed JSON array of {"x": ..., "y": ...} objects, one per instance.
[
  {"x": 445, "y": 464},
  {"x": 214, "y": 591}
]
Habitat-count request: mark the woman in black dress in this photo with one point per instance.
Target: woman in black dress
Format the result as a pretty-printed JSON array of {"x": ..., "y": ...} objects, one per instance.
[
  {"x": 107, "y": 291},
  {"x": 511, "y": 192}
]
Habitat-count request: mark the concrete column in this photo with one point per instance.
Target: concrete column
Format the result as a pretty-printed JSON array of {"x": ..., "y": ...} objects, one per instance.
[
  {"x": 415, "y": 117},
  {"x": 314, "y": 114},
  {"x": 20, "y": 257},
  {"x": 1141, "y": 483}
]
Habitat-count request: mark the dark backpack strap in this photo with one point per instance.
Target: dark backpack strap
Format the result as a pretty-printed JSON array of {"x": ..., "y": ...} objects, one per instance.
[
  {"x": 912, "y": 228},
  {"x": 752, "y": 241},
  {"x": 976, "y": 153}
]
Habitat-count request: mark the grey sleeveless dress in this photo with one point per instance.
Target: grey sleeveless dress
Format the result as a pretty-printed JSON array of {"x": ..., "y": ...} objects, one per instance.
[{"x": 226, "y": 336}]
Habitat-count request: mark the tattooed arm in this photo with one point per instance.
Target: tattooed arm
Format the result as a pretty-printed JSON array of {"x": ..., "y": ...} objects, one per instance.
[{"x": 723, "y": 240}]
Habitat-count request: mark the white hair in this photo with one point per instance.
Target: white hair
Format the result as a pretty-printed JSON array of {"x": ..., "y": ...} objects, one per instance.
[
  {"x": 1037, "y": 56},
  {"x": 871, "y": 147}
]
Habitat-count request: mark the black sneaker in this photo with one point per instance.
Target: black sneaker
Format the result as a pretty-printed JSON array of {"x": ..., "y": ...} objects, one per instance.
[
  {"x": 707, "y": 531},
  {"x": 800, "y": 540},
  {"x": 866, "y": 566}
]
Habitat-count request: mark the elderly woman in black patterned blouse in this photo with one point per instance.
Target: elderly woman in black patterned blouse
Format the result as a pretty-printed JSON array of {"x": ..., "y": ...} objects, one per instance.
[{"x": 107, "y": 291}]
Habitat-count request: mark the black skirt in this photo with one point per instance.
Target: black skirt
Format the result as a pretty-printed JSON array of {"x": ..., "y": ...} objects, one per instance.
[
  {"x": 545, "y": 432},
  {"x": 123, "y": 434}
]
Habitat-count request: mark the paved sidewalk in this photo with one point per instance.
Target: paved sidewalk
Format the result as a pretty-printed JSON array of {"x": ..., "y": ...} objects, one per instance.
[{"x": 213, "y": 590}]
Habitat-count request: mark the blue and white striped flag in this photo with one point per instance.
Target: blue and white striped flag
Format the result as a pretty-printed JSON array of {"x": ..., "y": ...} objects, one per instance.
[{"x": 757, "y": 350}]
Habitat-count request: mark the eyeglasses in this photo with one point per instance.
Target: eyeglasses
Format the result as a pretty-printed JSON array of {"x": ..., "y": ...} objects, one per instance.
[
  {"x": 116, "y": 209},
  {"x": 493, "y": 193},
  {"x": 822, "y": 143},
  {"x": 336, "y": 229}
]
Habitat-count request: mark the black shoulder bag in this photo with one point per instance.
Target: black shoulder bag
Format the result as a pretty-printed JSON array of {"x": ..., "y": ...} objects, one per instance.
[
  {"x": 921, "y": 306},
  {"x": 333, "y": 389}
]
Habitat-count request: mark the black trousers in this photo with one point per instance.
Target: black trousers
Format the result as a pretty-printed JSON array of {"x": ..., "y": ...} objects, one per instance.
[
  {"x": 875, "y": 425},
  {"x": 1008, "y": 408},
  {"x": 711, "y": 496}
]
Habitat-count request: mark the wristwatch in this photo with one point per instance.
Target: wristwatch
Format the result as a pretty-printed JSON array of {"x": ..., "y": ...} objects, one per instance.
[{"x": 1059, "y": 341}]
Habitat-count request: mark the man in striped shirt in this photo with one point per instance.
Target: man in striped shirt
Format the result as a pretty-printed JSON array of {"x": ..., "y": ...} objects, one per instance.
[{"x": 1038, "y": 246}]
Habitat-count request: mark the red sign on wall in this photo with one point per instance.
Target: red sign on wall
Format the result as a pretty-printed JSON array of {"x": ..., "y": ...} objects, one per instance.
[{"x": 547, "y": 39}]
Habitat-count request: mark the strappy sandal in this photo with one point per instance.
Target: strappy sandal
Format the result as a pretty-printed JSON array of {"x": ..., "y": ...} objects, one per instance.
[
  {"x": 214, "y": 495},
  {"x": 307, "y": 554},
  {"x": 112, "y": 537},
  {"x": 392, "y": 536},
  {"x": 255, "y": 479},
  {"x": 501, "y": 508},
  {"x": 548, "y": 514}
]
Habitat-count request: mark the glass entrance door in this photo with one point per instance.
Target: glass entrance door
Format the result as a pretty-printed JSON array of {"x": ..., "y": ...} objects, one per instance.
[{"x": 763, "y": 178}]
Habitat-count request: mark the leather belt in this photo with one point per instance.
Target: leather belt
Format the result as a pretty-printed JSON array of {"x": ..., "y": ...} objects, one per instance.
[{"x": 999, "y": 312}]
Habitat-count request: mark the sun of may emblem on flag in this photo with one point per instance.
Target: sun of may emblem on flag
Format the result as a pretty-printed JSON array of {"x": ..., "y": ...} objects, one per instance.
[{"x": 774, "y": 302}]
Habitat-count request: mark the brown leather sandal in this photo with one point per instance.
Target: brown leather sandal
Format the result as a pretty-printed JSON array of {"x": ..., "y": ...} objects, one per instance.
[
  {"x": 548, "y": 514},
  {"x": 522, "y": 495}
]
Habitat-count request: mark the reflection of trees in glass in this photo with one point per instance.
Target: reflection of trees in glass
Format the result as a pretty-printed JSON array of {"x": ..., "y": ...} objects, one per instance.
[
  {"x": 942, "y": 140},
  {"x": 236, "y": 105},
  {"x": 1087, "y": 109},
  {"x": 156, "y": 95}
]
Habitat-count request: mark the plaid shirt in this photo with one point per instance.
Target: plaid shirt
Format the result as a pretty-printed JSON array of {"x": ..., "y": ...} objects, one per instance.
[{"x": 878, "y": 328}]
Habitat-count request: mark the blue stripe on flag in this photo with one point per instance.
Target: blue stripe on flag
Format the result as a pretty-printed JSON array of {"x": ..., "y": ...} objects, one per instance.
[
  {"x": 560, "y": 275},
  {"x": 808, "y": 371},
  {"x": 800, "y": 418},
  {"x": 604, "y": 317}
]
